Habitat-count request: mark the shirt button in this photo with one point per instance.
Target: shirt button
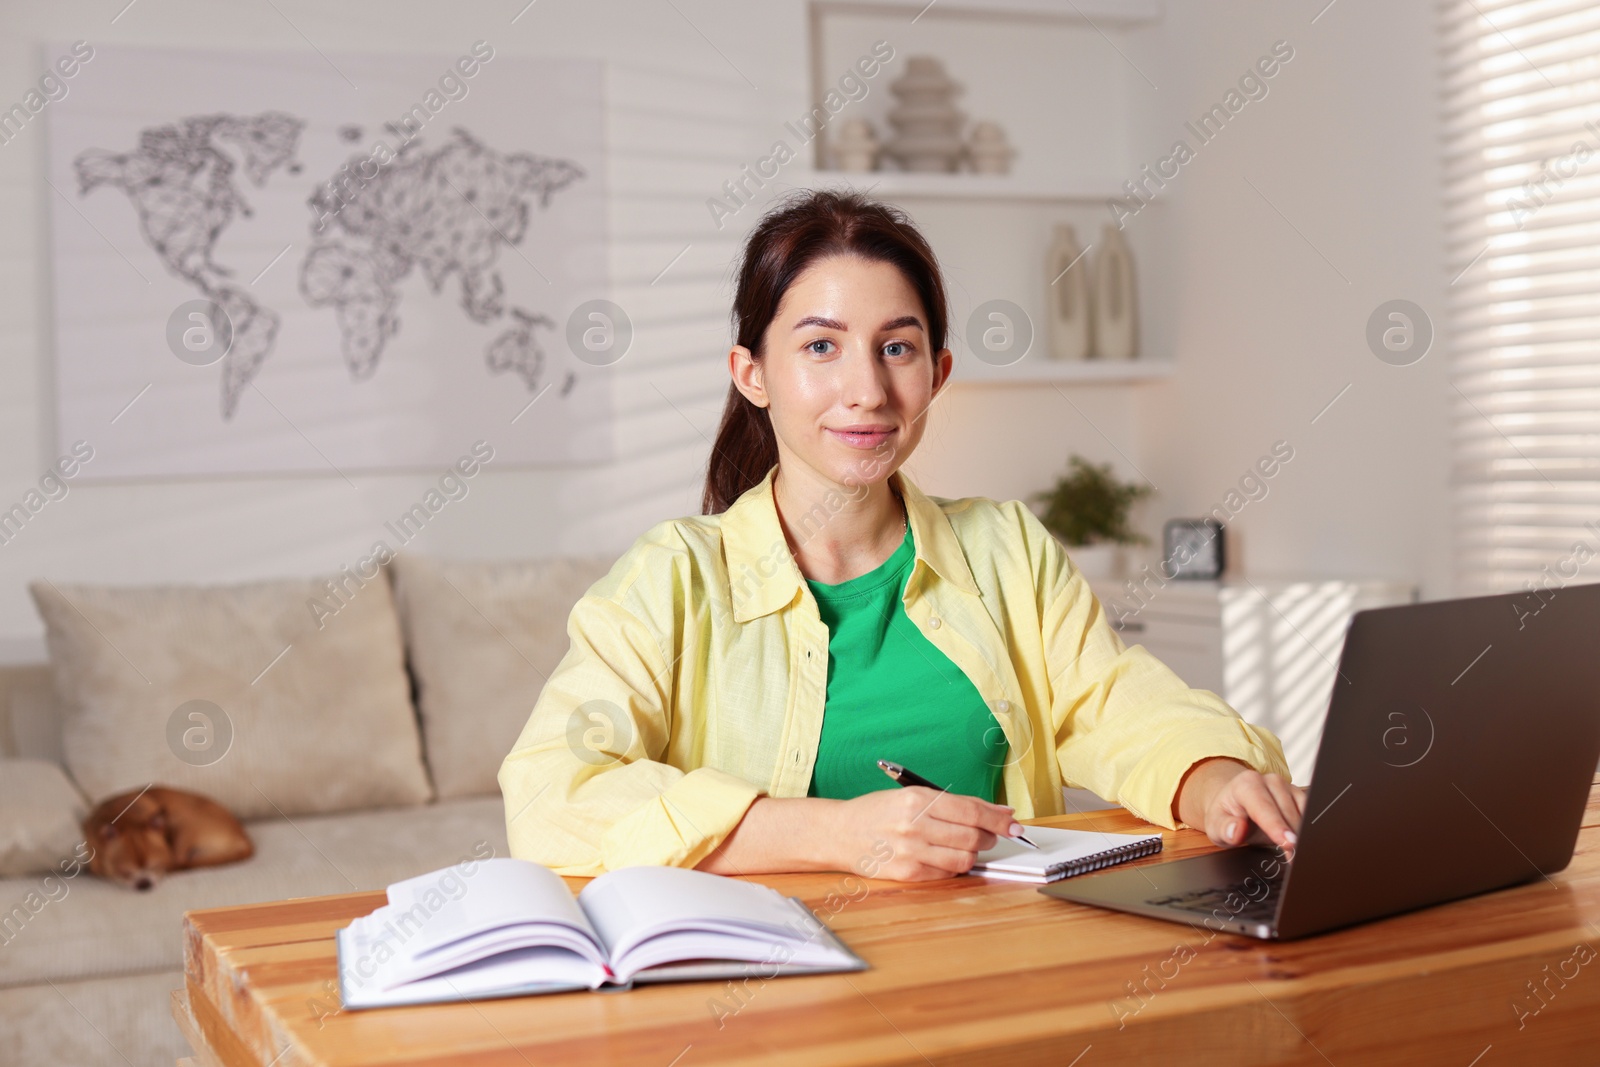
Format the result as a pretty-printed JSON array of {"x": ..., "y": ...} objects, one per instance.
[
  {"x": 934, "y": 622},
  {"x": 1002, "y": 705}
]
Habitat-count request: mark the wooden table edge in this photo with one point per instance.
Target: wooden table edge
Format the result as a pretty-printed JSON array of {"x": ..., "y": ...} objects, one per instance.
[
  {"x": 198, "y": 1020},
  {"x": 215, "y": 1044}
]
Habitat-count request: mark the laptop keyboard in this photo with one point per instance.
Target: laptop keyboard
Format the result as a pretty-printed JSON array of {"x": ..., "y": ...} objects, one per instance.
[{"x": 1241, "y": 900}]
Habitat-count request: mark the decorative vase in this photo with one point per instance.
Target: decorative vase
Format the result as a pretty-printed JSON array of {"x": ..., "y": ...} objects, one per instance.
[
  {"x": 927, "y": 125},
  {"x": 855, "y": 149},
  {"x": 1116, "y": 311},
  {"x": 1071, "y": 321},
  {"x": 1099, "y": 562},
  {"x": 988, "y": 148}
]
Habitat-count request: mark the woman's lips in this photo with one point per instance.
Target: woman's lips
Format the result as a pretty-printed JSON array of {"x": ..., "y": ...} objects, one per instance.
[{"x": 862, "y": 440}]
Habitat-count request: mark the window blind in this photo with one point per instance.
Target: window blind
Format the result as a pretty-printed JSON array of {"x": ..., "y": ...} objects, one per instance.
[{"x": 1521, "y": 138}]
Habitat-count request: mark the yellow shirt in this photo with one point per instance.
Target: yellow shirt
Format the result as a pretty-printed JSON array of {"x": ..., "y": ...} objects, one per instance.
[{"x": 697, "y": 672}]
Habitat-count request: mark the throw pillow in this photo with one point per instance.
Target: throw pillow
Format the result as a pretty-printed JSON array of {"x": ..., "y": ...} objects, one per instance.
[
  {"x": 482, "y": 638},
  {"x": 273, "y": 698}
]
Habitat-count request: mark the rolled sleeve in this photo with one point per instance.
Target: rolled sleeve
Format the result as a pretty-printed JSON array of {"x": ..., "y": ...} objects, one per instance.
[
  {"x": 683, "y": 824},
  {"x": 1152, "y": 783}
]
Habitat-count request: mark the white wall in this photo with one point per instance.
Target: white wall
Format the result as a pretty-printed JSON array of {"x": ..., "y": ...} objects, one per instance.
[
  {"x": 1267, "y": 332},
  {"x": 1264, "y": 331}
]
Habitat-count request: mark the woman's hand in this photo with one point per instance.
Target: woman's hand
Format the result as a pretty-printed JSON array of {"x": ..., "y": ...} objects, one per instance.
[
  {"x": 1235, "y": 804},
  {"x": 915, "y": 833}
]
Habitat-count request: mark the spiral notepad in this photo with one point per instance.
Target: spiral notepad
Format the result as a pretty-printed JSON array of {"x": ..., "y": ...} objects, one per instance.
[{"x": 1061, "y": 854}]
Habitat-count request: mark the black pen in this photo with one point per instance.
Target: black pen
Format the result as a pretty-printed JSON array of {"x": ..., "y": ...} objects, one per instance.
[{"x": 909, "y": 777}]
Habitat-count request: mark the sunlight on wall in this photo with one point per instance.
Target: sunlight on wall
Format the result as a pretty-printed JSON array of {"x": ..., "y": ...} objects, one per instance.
[{"x": 1280, "y": 651}]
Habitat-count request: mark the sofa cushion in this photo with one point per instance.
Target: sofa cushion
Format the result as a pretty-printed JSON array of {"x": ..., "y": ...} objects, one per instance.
[
  {"x": 482, "y": 638},
  {"x": 62, "y": 927},
  {"x": 30, "y": 721},
  {"x": 40, "y": 813},
  {"x": 130, "y": 1023},
  {"x": 273, "y": 697}
]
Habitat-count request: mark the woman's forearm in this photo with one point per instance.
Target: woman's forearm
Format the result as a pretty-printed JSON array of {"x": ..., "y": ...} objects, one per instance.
[{"x": 779, "y": 834}]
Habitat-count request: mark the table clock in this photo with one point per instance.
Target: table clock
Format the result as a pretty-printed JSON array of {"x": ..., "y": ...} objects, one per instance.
[{"x": 1193, "y": 548}]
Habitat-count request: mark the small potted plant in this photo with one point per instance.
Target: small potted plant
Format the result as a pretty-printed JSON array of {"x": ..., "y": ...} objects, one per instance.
[{"x": 1087, "y": 509}]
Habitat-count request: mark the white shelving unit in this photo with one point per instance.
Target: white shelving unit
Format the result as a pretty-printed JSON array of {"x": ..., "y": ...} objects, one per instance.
[
  {"x": 1037, "y": 369},
  {"x": 1092, "y": 12},
  {"x": 904, "y": 185},
  {"x": 991, "y": 230}
]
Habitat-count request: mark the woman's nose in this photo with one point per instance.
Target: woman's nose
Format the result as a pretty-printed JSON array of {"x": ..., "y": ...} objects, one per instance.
[{"x": 863, "y": 382}]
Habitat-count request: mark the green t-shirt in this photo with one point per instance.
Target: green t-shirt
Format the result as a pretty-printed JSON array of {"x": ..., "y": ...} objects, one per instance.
[{"x": 893, "y": 695}]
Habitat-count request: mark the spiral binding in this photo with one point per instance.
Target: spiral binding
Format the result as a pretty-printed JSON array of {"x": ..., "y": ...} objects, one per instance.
[{"x": 1132, "y": 850}]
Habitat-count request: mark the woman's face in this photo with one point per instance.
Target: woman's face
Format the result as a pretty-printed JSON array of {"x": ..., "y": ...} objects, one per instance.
[{"x": 847, "y": 374}]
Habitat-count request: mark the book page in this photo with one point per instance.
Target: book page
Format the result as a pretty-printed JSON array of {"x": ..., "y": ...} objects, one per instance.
[
  {"x": 772, "y": 955},
  {"x": 631, "y": 904},
  {"x": 435, "y": 909},
  {"x": 506, "y": 974},
  {"x": 402, "y": 968}
]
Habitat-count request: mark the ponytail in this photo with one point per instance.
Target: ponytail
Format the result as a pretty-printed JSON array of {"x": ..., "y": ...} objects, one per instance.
[{"x": 745, "y": 451}]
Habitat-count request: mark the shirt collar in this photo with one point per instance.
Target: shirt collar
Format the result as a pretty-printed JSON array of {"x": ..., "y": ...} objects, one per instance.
[{"x": 763, "y": 575}]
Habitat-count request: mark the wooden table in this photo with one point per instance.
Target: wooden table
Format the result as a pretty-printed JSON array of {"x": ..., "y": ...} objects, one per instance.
[{"x": 967, "y": 970}]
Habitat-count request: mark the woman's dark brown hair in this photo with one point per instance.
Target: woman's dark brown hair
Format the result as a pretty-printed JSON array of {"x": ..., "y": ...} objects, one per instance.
[{"x": 805, "y": 227}]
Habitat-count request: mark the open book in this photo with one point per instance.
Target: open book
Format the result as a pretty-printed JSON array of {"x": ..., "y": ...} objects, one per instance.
[
  {"x": 512, "y": 927},
  {"x": 1061, "y": 854}
]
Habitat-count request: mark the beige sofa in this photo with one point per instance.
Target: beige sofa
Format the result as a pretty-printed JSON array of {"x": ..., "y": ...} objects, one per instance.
[{"x": 85, "y": 966}]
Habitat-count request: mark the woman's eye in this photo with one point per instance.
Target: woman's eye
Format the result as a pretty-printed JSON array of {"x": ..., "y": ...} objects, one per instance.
[
  {"x": 900, "y": 348},
  {"x": 811, "y": 346}
]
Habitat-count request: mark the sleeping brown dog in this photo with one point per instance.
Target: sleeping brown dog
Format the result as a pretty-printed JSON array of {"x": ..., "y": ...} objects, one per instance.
[{"x": 140, "y": 835}]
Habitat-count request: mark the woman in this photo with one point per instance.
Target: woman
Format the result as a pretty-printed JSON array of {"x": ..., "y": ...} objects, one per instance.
[{"x": 733, "y": 680}]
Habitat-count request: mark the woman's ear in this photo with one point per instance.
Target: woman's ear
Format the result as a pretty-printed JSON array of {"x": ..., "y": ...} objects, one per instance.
[
  {"x": 746, "y": 373},
  {"x": 943, "y": 364}
]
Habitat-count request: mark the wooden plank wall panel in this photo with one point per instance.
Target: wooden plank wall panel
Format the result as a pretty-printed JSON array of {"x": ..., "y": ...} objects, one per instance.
[{"x": 674, "y": 138}]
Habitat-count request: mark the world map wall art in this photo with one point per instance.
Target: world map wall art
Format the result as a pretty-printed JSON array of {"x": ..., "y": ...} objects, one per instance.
[{"x": 284, "y": 262}]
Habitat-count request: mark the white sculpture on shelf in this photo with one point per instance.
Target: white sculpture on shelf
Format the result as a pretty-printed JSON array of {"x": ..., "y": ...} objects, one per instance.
[
  {"x": 855, "y": 149},
  {"x": 1116, "y": 312},
  {"x": 988, "y": 148},
  {"x": 927, "y": 125},
  {"x": 1071, "y": 320}
]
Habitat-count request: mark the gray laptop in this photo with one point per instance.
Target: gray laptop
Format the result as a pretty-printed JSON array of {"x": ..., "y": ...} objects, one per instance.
[{"x": 1460, "y": 745}]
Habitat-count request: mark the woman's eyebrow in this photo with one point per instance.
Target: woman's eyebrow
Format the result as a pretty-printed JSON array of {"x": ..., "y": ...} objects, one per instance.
[{"x": 835, "y": 324}]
